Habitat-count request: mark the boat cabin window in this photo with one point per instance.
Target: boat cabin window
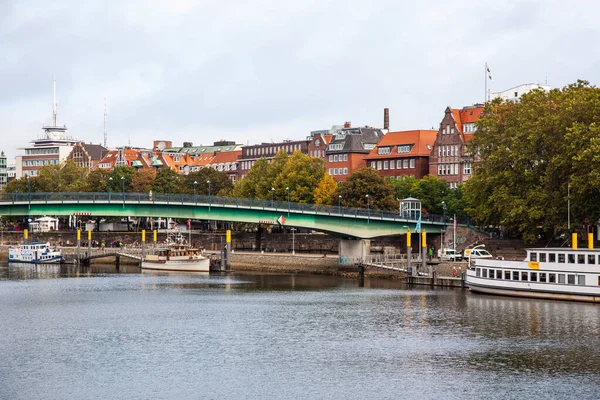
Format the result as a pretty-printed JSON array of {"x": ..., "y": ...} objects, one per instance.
[
  {"x": 533, "y": 257},
  {"x": 478, "y": 272},
  {"x": 561, "y": 258},
  {"x": 515, "y": 275},
  {"x": 498, "y": 274},
  {"x": 571, "y": 258},
  {"x": 571, "y": 279},
  {"x": 542, "y": 277},
  {"x": 506, "y": 274},
  {"x": 552, "y": 278},
  {"x": 533, "y": 276},
  {"x": 561, "y": 278},
  {"x": 542, "y": 257},
  {"x": 523, "y": 275},
  {"x": 492, "y": 274},
  {"x": 551, "y": 257},
  {"x": 581, "y": 280},
  {"x": 484, "y": 273},
  {"x": 580, "y": 258},
  {"x": 591, "y": 259}
]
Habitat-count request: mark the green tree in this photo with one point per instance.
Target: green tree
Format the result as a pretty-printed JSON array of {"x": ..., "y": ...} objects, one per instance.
[
  {"x": 143, "y": 179},
  {"x": 97, "y": 181},
  {"x": 301, "y": 174},
  {"x": 529, "y": 153},
  {"x": 220, "y": 184},
  {"x": 116, "y": 184},
  {"x": 166, "y": 181},
  {"x": 325, "y": 190},
  {"x": 431, "y": 191},
  {"x": 68, "y": 177},
  {"x": 366, "y": 181},
  {"x": 253, "y": 185}
]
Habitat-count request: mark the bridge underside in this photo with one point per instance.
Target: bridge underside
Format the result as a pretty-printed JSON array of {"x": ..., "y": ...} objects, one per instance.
[{"x": 349, "y": 226}]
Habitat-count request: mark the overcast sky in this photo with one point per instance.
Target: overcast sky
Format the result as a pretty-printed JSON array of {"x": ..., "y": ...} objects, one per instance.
[{"x": 263, "y": 70}]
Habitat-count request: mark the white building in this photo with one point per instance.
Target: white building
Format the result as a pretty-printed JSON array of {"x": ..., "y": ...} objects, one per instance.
[
  {"x": 52, "y": 148},
  {"x": 514, "y": 94}
]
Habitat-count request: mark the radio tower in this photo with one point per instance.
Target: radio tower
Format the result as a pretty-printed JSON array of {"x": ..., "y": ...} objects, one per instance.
[{"x": 105, "y": 133}]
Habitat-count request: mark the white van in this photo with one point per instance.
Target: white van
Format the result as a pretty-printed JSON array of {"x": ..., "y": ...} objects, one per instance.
[
  {"x": 449, "y": 255},
  {"x": 477, "y": 252}
]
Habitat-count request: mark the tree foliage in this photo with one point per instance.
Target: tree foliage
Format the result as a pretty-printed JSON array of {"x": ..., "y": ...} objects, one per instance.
[
  {"x": 366, "y": 181},
  {"x": 324, "y": 191},
  {"x": 166, "y": 181},
  {"x": 220, "y": 184},
  {"x": 68, "y": 177},
  {"x": 301, "y": 174},
  {"x": 530, "y": 153}
]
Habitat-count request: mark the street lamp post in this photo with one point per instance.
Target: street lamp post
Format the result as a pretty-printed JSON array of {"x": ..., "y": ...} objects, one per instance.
[
  {"x": 272, "y": 196},
  {"x": 29, "y": 190},
  {"x": 110, "y": 179},
  {"x": 368, "y": 210},
  {"x": 288, "y": 193},
  {"x": 123, "y": 189},
  {"x": 209, "y": 199},
  {"x": 339, "y": 203},
  {"x": 443, "y": 227},
  {"x": 293, "y": 241},
  {"x": 195, "y": 183}
]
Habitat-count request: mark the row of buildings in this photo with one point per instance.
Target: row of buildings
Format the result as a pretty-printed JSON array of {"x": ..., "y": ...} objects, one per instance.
[{"x": 344, "y": 149}]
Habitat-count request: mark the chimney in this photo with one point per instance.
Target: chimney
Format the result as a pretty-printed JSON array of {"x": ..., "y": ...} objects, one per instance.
[
  {"x": 347, "y": 124},
  {"x": 386, "y": 119}
]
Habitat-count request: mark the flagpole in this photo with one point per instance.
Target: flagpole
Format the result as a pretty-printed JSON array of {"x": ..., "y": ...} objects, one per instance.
[
  {"x": 485, "y": 85},
  {"x": 454, "y": 238}
]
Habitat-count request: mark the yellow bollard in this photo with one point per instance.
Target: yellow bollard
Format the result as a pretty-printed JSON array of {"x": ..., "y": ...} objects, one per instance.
[
  {"x": 408, "y": 239},
  {"x": 574, "y": 240},
  {"x": 143, "y": 235},
  {"x": 78, "y": 234},
  {"x": 590, "y": 240},
  {"x": 26, "y": 233}
]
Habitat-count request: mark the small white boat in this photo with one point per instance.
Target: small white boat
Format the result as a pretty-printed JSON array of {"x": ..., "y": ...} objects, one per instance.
[
  {"x": 177, "y": 256},
  {"x": 547, "y": 273},
  {"x": 35, "y": 253}
]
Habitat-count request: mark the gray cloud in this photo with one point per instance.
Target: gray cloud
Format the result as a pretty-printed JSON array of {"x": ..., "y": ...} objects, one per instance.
[{"x": 270, "y": 70}]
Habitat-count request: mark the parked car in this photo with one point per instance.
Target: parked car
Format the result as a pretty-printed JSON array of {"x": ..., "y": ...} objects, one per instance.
[{"x": 449, "y": 255}]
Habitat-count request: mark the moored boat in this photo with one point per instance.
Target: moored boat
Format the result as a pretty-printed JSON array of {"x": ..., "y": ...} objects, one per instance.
[
  {"x": 35, "y": 253},
  {"x": 177, "y": 256},
  {"x": 548, "y": 273}
]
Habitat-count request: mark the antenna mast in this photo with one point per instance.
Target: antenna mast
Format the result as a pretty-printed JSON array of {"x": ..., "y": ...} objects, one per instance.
[
  {"x": 54, "y": 103},
  {"x": 105, "y": 133}
]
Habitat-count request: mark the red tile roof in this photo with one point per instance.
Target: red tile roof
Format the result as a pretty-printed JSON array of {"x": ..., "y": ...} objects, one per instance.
[
  {"x": 466, "y": 115},
  {"x": 226, "y": 157},
  {"x": 421, "y": 140}
]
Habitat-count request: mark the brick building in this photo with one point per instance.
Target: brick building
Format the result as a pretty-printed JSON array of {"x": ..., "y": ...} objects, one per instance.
[
  {"x": 347, "y": 150},
  {"x": 404, "y": 153},
  {"x": 252, "y": 153},
  {"x": 449, "y": 158},
  {"x": 87, "y": 155}
]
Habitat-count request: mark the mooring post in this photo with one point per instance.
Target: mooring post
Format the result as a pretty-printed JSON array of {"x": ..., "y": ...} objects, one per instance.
[
  {"x": 424, "y": 251},
  {"x": 78, "y": 246},
  {"x": 143, "y": 244},
  {"x": 117, "y": 261},
  {"x": 409, "y": 268},
  {"x": 89, "y": 242},
  {"x": 227, "y": 250}
]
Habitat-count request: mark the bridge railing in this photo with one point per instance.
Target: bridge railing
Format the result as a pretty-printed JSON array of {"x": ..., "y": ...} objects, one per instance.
[{"x": 215, "y": 201}]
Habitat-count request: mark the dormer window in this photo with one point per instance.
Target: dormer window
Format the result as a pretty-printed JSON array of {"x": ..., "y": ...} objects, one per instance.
[
  {"x": 384, "y": 150},
  {"x": 404, "y": 148}
]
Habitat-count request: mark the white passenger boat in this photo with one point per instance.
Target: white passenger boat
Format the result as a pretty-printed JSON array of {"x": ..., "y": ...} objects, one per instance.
[
  {"x": 177, "y": 258},
  {"x": 36, "y": 253},
  {"x": 548, "y": 273}
]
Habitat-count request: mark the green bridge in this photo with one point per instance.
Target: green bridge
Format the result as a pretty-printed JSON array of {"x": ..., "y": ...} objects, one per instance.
[{"x": 351, "y": 223}]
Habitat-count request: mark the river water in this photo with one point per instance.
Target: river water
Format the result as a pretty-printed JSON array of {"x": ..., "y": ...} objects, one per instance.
[{"x": 95, "y": 333}]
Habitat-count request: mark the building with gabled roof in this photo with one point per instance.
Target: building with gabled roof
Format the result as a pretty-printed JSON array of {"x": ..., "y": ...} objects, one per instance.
[
  {"x": 227, "y": 162},
  {"x": 347, "y": 150},
  {"x": 403, "y": 153},
  {"x": 87, "y": 155},
  {"x": 449, "y": 159}
]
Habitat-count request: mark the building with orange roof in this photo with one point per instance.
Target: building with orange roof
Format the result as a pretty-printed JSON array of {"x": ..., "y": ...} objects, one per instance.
[
  {"x": 403, "y": 153},
  {"x": 318, "y": 144},
  {"x": 118, "y": 157},
  {"x": 226, "y": 162},
  {"x": 449, "y": 158}
]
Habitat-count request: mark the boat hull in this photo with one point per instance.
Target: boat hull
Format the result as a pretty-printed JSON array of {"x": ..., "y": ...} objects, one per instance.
[
  {"x": 475, "y": 288},
  {"x": 56, "y": 260},
  {"x": 200, "y": 265}
]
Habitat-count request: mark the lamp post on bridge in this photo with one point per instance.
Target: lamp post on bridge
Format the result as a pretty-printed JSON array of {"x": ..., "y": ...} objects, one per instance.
[
  {"x": 272, "y": 196},
  {"x": 195, "y": 183},
  {"x": 288, "y": 194},
  {"x": 293, "y": 241},
  {"x": 339, "y": 204},
  {"x": 29, "y": 190},
  {"x": 209, "y": 199},
  {"x": 123, "y": 192},
  {"x": 443, "y": 227},
  {"x": 368, "y": 210}
]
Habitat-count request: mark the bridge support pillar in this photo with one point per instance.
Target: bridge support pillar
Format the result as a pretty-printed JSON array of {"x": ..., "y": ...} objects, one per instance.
[
  {"x": 117, "y": 261},
  {"x": 354, "y": 251}
]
